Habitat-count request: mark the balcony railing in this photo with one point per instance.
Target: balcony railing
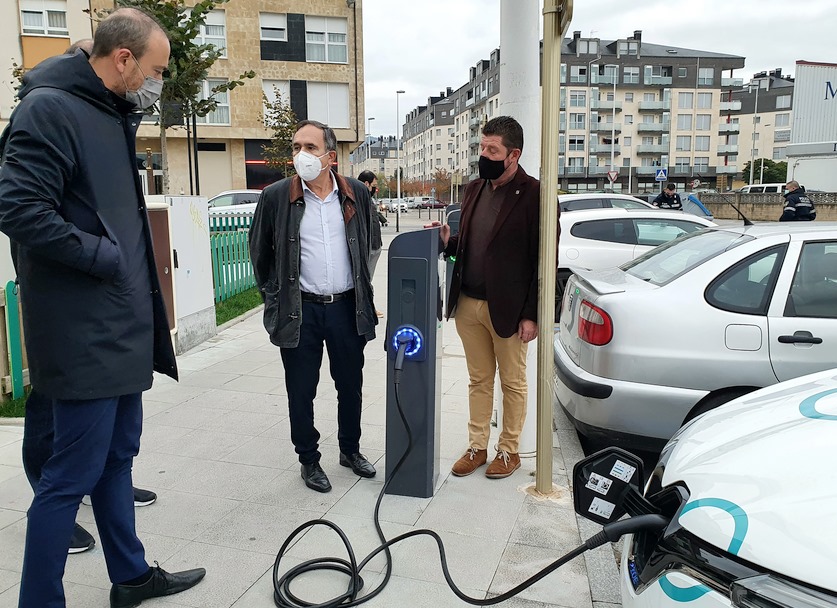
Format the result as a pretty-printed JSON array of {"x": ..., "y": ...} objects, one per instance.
[
  {"x": 604, "y": 149},
  {"x": 654, "y": 106},
  {"x": 606, "y": 127},
  {"x": 727, "y": 169},
  {"x": 596, "y": 104},
  {"x": 729, "y": 127},
  {"x": 730, "y": 106},
  {"x": 653, "y": 127},
  {"x": 658, "y": 80},
  {"x": 475, "y": 140},
  {"x": 725, "y": 149},
  {"x": 647, "y": 170},
  {"x": 652, "y": 149},
  {"x": 732, "y": 83},
  {"x": 574, "y": 170}
]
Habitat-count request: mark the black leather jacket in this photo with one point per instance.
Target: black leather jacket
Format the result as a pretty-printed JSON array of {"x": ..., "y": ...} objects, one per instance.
[{"x": 275, "y": 254}]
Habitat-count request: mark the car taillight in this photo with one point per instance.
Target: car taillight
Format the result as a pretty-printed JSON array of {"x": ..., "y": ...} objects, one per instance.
[{"x": 594, "y": 324}]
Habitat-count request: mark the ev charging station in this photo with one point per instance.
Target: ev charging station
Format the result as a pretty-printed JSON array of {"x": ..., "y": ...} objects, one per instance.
[{"x": 414, "y": 344}]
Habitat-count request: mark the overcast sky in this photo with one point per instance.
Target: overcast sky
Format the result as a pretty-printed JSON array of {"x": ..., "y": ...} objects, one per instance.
[{"x": 427, "y": 45}]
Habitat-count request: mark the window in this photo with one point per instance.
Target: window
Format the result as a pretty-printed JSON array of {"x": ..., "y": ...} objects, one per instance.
[
  {"x": 438, "y": 146},
  {"x": 783, "y": 101},
  {"x": 612, "y": 231},
  {"x": 684, "y": 122},
  {"x": 588, "y": 47},
  {"x": 221, "y": 114},
  {"x": 703, "y": 122},
  {"x": 563, "y": 77},
  {"x": 814, "y": 287},
  {"x": 577, "y": 121},
  {"x": 647, "y": 140},
  {"x": 214, "y": 31},
  {"x": 681, "y": 72},
  {"x": 629, "y": 119},
  {"x": 704, "y": 101},
  {"x": 649, "y": 97},
  {"x": 782, "y": 120},
  {"x": 779, "y": 154},
  {"x": 683, "y": 143},
  {"x": 578, "y": 99},
  {"x": 631, "y": 75},
  {"x": 746, "y": 288},
  {"x": 576, "y": 143},
  {"x": 627, "y": 141},
  {"x": 578, "y": 73},
  {"x": 685, "y": 100},
  {"x": 629, "y": 97},
  {"x": 702, "y": 143},
  {"x": 575, "y": 164},
  {"x": 44, "y": 17},
  {"x": 328, "y": 102},
  {"x": 706, "y": 76},
  {"x": 682, "y": 163},
  {"x": 274, "y": 26},
  {"x": 628, "y": 47},
  {"x": 701, "y": 164},
  {"x": 325, "y": 39}
]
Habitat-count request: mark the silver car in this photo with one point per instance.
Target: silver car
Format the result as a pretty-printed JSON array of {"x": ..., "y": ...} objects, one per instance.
[{"x": 693, "y": 324}]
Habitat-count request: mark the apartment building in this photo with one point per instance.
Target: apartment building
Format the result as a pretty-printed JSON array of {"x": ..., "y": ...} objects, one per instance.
[
  {"x": 428, "y": 138},
  {"x": 764, "y": 118},
  {"x": 646, "y": 106},
  {"x": 376, "y": 154},
  {"x": 311, "y": 51}
]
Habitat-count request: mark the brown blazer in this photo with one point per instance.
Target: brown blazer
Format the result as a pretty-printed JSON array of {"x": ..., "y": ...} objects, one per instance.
[{"x": 511, "y": 261}]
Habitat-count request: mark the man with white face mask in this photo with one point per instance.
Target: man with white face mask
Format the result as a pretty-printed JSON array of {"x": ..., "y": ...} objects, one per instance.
[
  {"x": 95, "y": 324},
  {"x": 309, "y": 245}
]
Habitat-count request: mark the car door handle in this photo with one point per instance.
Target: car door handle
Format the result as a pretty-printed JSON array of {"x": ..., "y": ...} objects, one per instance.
[{"x": 800, "y": 339}]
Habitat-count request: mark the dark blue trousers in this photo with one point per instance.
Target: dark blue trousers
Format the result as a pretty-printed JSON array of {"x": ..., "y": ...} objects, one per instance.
[
  {"x": 335, "y": 325},
  {"x": 37, "y": 436},
  {"x": 93, "y": 450}
]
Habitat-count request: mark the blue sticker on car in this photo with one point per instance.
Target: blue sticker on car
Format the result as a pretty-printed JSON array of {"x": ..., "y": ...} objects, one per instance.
[
  {"x": 808, "y": 407},
  {"x": 682, "y": 594}
]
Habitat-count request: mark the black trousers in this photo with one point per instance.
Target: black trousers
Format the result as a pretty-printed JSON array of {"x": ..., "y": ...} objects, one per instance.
[{"x": 335, "y": 326}]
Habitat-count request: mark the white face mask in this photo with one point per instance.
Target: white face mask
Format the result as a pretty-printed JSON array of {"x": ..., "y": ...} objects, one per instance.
[{"x": 308, "y": 166}]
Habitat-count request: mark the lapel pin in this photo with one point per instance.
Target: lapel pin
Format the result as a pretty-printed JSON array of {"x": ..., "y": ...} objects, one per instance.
[{"x": 517, "y": 191}]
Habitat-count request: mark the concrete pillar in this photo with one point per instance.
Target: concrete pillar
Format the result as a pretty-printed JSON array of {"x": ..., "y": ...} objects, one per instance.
[{"x": 520, "y": 95}]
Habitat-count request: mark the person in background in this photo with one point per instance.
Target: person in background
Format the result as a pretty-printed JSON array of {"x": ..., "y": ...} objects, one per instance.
[
  {"x": 378, "y": 220},
  {"x": 668, "y": 199},
  {"x": 798, "y": 207}
]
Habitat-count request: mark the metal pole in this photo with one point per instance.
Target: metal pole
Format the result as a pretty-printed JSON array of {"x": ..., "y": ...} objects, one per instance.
[
  {"x": 195, "y": 143},
  {"x": 761, "y": 171},
  {"x": 755, "y": 119},
  {"x": 613, "y": 123},
  {"x": 189, "y": 154},
  {"x": 556, "y": 18},
  {"x": 398, "y": 162},
  {"x": 149, "y": 175}
]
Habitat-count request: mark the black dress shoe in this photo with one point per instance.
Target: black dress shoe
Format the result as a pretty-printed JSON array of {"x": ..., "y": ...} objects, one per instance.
[
  {"x": 315, "y": 478},
  {"x": 358, "y": 463},
  {"x": 161, "y": 583}
]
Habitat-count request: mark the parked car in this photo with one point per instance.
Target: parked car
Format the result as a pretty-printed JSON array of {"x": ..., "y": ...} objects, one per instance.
[
  {"x": 602, "y": 238},
  {"x": 234, "y": 201},
  {"x": 393, "y": 203},
  {"x": 433, "y": 204},
  {"x": 762, "y": 188},
  {"x": 577, "y": 202},
  {"x": 752, "y": 492},
  {"x": 693, "y": 324}
]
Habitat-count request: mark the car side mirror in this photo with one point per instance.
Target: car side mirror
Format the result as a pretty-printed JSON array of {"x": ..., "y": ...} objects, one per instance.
[{"x": 608, "y": 484}]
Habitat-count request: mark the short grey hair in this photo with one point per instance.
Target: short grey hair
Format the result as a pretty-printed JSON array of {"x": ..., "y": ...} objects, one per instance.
[
  {"x": 85, "y": 44},
  {"x": 126, "y": 28},
  {"x": 328, "y": 133},
  {"x": 793, "y": 184}
]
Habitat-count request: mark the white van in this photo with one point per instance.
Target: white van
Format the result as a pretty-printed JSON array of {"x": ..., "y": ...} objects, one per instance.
[{"x": 763, "y": 188}]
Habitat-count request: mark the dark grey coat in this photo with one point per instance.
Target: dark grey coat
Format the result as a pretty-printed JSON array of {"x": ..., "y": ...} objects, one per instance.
[
  {"x": 275, "y": 254},
  {"x": 72, "y": 204}
]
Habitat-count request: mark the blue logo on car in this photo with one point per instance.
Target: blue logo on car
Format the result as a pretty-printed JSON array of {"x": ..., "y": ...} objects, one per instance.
[{"x": 808, "y": 407}]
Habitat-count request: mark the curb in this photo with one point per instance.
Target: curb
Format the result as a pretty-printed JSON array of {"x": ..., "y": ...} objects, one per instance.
[
  {"x": 239, "y": 319},
  {"x": 11, "y": 422}
]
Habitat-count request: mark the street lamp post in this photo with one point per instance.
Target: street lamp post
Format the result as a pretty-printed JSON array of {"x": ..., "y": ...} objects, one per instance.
[
  {"x": 615, "y": 69},
  {"x": 369, "y": 125},
  {"x": 761, "y": 171},
  {"x": 398, "y": 161},
  {"x": 755, "y": 121}
]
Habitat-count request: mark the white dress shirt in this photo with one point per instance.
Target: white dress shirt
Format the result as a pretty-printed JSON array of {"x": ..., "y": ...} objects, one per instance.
[{"x": 325, "y": 264}]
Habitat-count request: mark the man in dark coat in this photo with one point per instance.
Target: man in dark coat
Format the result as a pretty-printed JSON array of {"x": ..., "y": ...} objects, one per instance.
[
  {"x": 95, "y": 323},
  {"x": 309, "y": 244},
  {"x": 494, "y": 291},
  {"x": 668, "y": 199},
  {"x": 378, "y": 220},
  {"x": 798, "y": 207}
]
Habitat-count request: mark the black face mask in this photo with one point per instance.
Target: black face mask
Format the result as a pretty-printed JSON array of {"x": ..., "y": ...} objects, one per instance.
[
  {"x": 374, "y": 190},
  {"x": 491, "y": 169}
]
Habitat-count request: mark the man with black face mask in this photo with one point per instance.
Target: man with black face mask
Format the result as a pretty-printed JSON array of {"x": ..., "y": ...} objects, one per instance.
[
  {"x": 494, "y": 292},
  {"x": 378, "y": 220}
]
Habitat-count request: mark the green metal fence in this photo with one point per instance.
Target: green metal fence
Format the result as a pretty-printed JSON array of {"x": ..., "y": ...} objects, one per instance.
[
  {"x": 13, "y": 383},
  {"x": 229, "y": 242}
]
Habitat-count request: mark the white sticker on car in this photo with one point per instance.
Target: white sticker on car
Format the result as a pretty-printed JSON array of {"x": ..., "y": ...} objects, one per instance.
[
  {"x": 601, "y": 507},
  {"x": 599, "y": 484},
  {"x": 622, "y": 470}
]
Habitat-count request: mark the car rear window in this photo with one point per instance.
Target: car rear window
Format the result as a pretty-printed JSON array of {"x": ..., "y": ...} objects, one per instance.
[
  {"x": 667, "y": 262},
  {"x": 581, "y": 203}
]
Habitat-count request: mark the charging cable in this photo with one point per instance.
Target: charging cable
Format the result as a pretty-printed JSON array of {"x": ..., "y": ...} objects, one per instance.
[{"x": 284, "y": 598}]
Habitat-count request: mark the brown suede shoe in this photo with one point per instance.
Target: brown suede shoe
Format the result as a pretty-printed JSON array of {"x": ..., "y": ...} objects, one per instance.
[
  {"x": 470, "y": 462},
  {"x": 504, "y": 465}
]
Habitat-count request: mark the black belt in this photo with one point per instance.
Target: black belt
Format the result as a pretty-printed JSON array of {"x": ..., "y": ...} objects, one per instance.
[{"x": 325, "y": 299}]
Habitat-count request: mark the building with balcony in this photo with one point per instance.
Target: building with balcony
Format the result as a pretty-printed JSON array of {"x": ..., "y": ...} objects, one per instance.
[
  {"x": 376, "y": 154},
  {"x": 429, "y": 139}
]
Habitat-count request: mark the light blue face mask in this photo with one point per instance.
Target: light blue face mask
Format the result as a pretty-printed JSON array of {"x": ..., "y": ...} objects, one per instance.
[{"x": 148, "y": 93}]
